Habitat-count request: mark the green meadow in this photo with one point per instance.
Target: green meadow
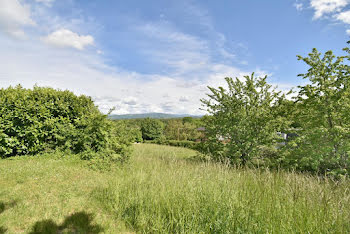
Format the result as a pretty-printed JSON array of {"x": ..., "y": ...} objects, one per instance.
[{"x": 164, "y": 189}]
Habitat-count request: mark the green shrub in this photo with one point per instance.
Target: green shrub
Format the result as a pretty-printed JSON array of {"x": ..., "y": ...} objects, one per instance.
[
  {"x": 132, "y": 129},
  {"x": 151, "y": 129},
  {"x": 40, "y": 119},
  {"x": 181, "y": 129}
]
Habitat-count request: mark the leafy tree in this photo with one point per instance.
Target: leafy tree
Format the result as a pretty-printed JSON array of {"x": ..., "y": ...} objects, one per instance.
[
  {"x": 177, "y": 129},
  {"x": 188, "y": 120},
  {"x": 323, "y": 115},
  {"x": 242, "y": 118},
  {"x": 174, "y": 130},
  {"x": 190, "y": 131},
  {"x": 151, "y": 129},
  {"x": 133, "y": 129}
]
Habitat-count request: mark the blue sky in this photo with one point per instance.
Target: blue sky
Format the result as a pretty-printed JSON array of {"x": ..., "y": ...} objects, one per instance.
[{"x": 159, "y": 56}]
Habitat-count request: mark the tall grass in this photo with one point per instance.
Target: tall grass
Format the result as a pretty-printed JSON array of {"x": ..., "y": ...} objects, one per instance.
[{"x": 161, "y": 191}]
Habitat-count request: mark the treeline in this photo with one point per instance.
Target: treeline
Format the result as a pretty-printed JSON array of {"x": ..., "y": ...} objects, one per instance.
[{"x": 184, "y": 132}]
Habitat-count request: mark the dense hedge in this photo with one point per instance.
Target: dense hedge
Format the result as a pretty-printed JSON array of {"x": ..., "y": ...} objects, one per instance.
[{"x": 39, "y": 119}]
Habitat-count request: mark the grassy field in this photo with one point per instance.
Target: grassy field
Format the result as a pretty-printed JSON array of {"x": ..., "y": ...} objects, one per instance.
[{"x": 162, "y": 190}]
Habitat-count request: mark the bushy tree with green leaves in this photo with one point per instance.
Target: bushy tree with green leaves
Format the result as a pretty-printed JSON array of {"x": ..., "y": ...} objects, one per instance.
[
  {"x": 132, "y": 129},
  {"x": 152, "y": 129},
  {"x": 178, "y": 129},
  {"x": 323, "y": 114},
  {"x": 41, "y": 119},
  {"x": 242, "y": 119}
]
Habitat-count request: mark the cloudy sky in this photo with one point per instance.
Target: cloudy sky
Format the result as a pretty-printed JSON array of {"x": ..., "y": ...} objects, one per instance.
[{"x": 159, "y": 56}]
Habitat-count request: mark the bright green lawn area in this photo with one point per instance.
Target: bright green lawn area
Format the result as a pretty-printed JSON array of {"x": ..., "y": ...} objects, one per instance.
[{"x": 161, "y": 190}]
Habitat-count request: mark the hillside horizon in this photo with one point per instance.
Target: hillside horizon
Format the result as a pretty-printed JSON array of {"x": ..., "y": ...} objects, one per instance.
[{"x": 153, "y": 115}]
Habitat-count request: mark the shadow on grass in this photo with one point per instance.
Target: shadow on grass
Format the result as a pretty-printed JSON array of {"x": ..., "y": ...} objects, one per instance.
[
  {"x": 2, "y": 230},
  {"x": 6, "y": 205},
  {"x": 3, "y": 207},
  {"x": 76, "y": 223}
]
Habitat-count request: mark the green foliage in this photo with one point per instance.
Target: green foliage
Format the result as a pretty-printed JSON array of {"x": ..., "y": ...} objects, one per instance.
[
  {"x": 158, "y": 131},
  {"x": 241, "y": 119},
  {"x": 323, "y": 114},
  {"x": 188, "y": 120},
  {"x": 164, "y": 192},
  {"x": 183, "y": 143},
  {"x": 178, "y": 129},
  {"x": 131, "y": 130},
  {"x": 37, "y": 120},
  {"x": 137, "y": 135},
  {"x": 151, "y": 129}
]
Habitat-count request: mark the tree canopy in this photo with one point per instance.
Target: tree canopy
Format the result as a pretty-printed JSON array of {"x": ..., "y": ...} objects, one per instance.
[{"x": 242, "y": 118}]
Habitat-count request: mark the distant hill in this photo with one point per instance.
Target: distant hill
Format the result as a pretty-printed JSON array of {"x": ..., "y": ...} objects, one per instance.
[{"x": 151, "y": 115}]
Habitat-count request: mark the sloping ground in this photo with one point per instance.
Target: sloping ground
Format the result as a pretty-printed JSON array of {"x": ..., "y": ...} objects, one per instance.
[{"x": 163, "y": 190}]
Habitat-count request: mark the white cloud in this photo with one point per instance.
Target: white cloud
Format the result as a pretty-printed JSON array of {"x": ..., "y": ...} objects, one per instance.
[
  {"x": 197, "y": 12},
  {"x": 188, "y": 53},
  {"x": 298, "y": 6},
  {"x": 67, "y": 38},
  {"x": 132, "y": 101},
  {"x": 332, "y": 9},
  {"x": 86, "y": 73},
  {"x": 221, "y": 41},
  {"x": 192, "y": 67},
  {"x": 226, "y": 53},
  {"x": 323, "y": 7},
  {"x": 344, "y": 17},
  {"x": 184, "y": 99},
  {"x": 13, "y": 16}
]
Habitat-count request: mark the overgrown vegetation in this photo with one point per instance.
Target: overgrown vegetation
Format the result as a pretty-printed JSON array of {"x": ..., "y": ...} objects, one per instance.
[
  {"x": 176, "y": 190},
  {"x": 247, "y": 117},
  {"x": 242, "y": 118},
  {"x": 151, "y": 129},
  {"x": 182, "y": 132},
  {"x": 163, "y": 190},
  {"x": 44, "y": 119},
  {"x": 323, "y": 113}
]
